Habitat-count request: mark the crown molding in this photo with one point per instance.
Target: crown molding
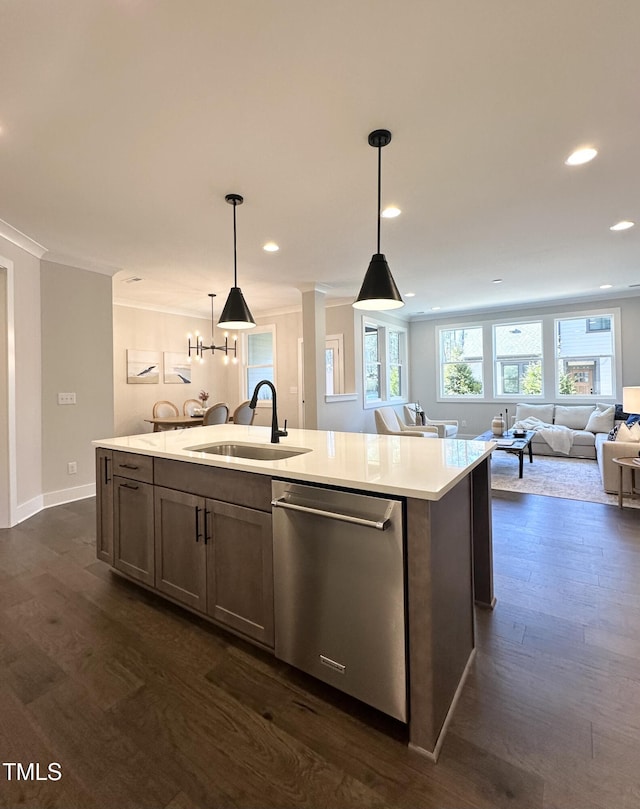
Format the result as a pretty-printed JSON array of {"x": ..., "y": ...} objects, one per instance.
[
  {"x": 80, "y": 263},
  {"x": 21, "y": 240},
  {"x": 602, "y": 300},
  {"x": 165, "y": 310}
]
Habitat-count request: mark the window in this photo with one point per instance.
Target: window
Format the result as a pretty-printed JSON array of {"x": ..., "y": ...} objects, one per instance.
[
  {"x": 334, "y": 365},
  {"x": 395, "y": 362},
  {"x": 585, "y": 356},
  {"x": 260, "y": 352},
  {"x": 549, "y": 357},
  {"x": 517, "y": 350},
  {"x": 461, "y": 362},
  {"x": 384, "y": 363}
]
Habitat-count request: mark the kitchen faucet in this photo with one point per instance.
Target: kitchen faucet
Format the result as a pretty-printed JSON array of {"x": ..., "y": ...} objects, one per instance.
[{"x": 275, "y": 432}]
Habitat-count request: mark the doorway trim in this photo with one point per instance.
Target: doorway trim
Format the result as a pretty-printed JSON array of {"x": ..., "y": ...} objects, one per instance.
[{"x": 9, "y": 511}]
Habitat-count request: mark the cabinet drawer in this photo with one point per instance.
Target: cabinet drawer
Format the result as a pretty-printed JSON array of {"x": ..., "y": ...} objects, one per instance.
[
  {"x": 133, "y": 466},
  {"x": 229, "y": 485}
]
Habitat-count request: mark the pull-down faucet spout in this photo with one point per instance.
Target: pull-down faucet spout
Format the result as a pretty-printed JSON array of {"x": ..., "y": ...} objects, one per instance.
[{"x": 275, "y": 432}]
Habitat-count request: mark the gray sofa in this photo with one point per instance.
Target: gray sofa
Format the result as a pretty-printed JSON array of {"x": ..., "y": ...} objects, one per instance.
[
  {"x": 575, "y": 417},
  {"x": 590, "y": 426}
]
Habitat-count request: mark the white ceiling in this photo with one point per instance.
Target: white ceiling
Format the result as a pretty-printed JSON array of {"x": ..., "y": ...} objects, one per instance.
[{"x": 125, "y": 122}]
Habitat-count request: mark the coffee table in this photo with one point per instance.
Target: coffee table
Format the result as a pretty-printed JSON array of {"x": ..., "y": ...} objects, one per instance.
[{"x": 516, "y": 447}]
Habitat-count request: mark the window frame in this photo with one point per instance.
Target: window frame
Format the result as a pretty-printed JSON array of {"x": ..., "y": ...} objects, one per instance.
[
  {"x": 245, "y": 392},
  {"x": 444, "y": 397},
  {"x": 522, "y": 321},
  {"x": 613, "y": 316},
  {"x": 383, "y": 329},
  {"x": 549, "y": 357}
]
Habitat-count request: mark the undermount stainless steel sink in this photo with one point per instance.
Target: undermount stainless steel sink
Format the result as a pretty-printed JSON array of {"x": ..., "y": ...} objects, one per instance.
[{"x": 255, "y": 452}]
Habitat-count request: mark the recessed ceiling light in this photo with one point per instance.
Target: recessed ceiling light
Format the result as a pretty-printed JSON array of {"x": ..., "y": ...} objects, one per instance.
[
  {"x": 409, "y": 294},
  {"x": 271, "y": 247},
  {"x": 623, "y": 225},
  {"x": 496, "y": 281},
  {"x": 581, "y": 156},
  {"x": 435, "y": 308},
  {"x": 606, "y": 286},
  {"x": 390, "y": 212}
]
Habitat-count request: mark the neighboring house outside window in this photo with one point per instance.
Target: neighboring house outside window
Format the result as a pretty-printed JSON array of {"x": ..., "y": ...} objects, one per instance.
[
  {"x": 552, "y": 357},
  {"x": 517, "y": 352},
  {"x": 585, "y": 353}
]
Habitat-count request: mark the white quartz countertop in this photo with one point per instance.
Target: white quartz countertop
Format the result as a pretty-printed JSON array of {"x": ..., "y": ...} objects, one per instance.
[{"x": 411, "y": 467}]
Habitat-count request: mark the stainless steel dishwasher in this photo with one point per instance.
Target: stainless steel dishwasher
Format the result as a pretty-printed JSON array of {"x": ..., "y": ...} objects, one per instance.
[{"x": 339, "y": 591}]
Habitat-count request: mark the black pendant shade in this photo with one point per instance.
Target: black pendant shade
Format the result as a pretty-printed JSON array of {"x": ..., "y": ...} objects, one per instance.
[
  {"x": 378, "y": 291},
  {"x": 236, "y": 314}
]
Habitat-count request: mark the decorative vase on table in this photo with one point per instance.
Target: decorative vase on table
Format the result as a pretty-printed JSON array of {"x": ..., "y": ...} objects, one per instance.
[{"x": 498, "y": 425}]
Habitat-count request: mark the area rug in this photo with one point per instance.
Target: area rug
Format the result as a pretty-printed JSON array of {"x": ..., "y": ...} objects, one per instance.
[{"x": 553, "y": 476}]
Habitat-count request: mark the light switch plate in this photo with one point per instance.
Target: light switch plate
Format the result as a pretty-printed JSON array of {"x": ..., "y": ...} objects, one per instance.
[{"x": 66, "y": 398}]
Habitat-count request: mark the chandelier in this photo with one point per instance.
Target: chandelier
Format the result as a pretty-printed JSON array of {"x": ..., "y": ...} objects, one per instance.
[{"x": 198, "y": 347}]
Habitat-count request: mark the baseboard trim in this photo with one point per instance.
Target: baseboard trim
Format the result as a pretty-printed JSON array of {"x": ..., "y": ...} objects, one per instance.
[
  {"x": 49, "y": 499},
  {"x": 28, "y": 509},
  {"x": 58, "y": 498}
]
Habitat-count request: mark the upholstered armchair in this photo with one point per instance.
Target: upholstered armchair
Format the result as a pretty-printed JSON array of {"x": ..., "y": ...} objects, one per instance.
[
  {"x": 389, "y": 423},
  {"x": 446, "y": 428}
]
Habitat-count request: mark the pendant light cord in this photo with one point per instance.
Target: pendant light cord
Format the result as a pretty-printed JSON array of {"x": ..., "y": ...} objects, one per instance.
[
  {"x": 379, "y": 186},
  {"x": 212, "y": 324},
  {"x": 235, "y": 256}
]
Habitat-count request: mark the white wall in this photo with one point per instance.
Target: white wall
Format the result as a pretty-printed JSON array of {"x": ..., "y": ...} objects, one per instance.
[
  {"x": 147, "y": 330},
  {"x": 77, "y": 339},
  {"x": 478, "y": 415}
]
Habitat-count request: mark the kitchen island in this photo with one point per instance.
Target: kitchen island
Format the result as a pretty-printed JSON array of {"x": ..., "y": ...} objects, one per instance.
[{"x": 197, "y": 528}]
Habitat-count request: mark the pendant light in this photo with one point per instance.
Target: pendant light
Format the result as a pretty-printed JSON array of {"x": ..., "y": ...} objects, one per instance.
[
  {"x": 378, "y": 290},
  {"x": 236, "y": 314}
]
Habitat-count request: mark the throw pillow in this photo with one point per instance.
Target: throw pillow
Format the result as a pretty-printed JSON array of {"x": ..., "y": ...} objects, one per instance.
[
  {"x": 575, "y": 417},
  {"x": 629, "y": 433},
  {"x": 633, "y": 420},
  {"x": 613, "y": 434},
  {"x": 601, "y": 421},
  {"x": 544, "y": 412}
]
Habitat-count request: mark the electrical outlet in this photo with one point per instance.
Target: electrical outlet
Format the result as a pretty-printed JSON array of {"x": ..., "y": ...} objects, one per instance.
[
  {"x": 66, "y": 398},
  {"x": 72, "y": 468},
  {"x": 464, "y": 422}
]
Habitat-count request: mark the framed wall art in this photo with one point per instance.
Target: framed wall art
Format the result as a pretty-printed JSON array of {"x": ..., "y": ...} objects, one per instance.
[
  {"x": 177, "y": 369},
  {"x": 143, "y": 367}
]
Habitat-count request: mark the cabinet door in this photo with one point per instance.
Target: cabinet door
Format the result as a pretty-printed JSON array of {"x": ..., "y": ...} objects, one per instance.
[
  {"x": 133, "y": 529},
  {"x": 104, "y": 505},
  {"x": 181, "y": 555},
  {"x": 240, "y": 569}
]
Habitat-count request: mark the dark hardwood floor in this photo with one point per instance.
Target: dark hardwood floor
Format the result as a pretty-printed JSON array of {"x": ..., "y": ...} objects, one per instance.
[{"x": 144, "y": 705}]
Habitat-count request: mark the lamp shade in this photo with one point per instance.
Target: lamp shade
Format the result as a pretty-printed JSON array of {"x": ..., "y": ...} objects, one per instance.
[
  {"x": 236, "y": 314},
  {"x": 631, "y": 399},
  {"x": 378, "y": 291}
]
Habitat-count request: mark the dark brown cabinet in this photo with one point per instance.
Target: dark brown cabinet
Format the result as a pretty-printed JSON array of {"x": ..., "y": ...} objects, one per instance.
[
  {"x": 240, "y": 569},
  {"x": 104, "y": 505},
  {"x": 133, "y": 529},
  {"x": 180, "y": 550},
  {"x": 174, "y": 529}
]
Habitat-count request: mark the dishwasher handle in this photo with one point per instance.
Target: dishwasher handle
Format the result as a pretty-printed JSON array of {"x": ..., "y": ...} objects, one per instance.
[{"x": 380, "y": 525}]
